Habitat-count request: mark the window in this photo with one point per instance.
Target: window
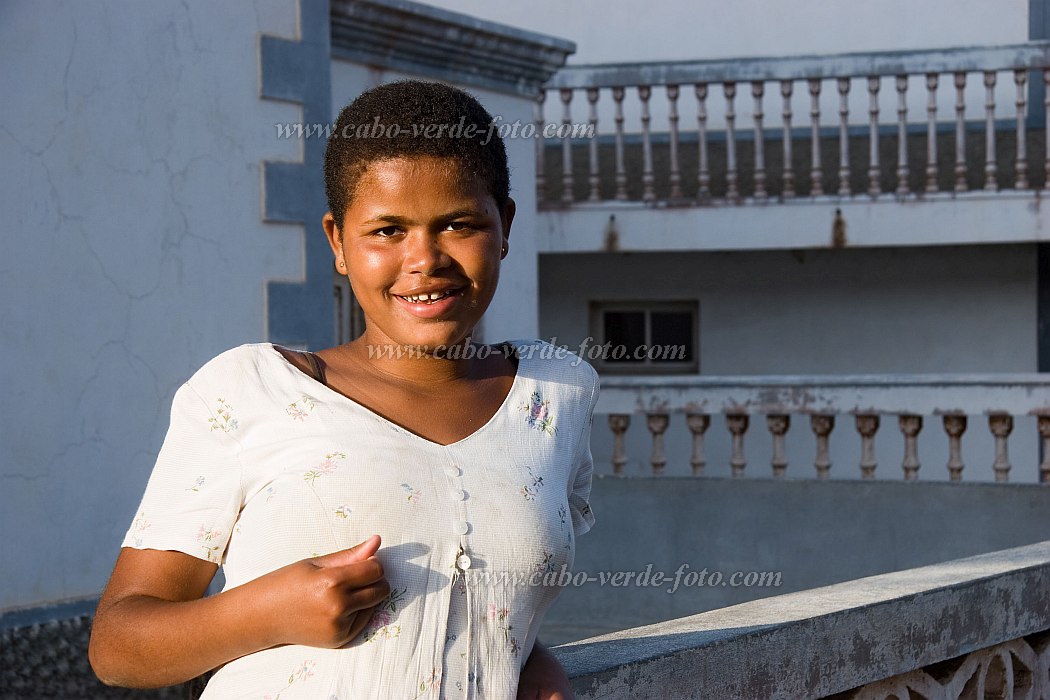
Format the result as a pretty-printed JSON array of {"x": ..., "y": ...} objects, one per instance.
[{"x": 650, "y": 337}]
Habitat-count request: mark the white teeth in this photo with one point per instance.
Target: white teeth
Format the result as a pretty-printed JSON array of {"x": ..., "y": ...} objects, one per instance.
[{"x": 427, "y": 298}]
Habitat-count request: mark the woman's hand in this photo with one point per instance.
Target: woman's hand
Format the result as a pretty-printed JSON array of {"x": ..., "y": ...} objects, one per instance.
[
  {"x": 324, "y": 601},
  {"x": 154, "y": 627},
  {"x": 543, "y": 678}
]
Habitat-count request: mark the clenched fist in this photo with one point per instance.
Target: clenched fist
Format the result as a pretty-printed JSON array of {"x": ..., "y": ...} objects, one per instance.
[{"x": 324, "y": 601}]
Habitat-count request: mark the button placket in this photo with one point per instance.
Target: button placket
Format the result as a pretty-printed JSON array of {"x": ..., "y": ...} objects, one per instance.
[{"x": 460, "y": 524}]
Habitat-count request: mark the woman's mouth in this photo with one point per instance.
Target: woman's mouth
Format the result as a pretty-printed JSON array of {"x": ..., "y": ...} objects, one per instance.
[
  {"x": 429, "y": 298},
  {"x": 430, "y": 304}
]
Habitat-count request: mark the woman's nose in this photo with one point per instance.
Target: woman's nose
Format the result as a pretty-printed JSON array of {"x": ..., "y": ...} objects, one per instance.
[{"x": 424, "y": 254}]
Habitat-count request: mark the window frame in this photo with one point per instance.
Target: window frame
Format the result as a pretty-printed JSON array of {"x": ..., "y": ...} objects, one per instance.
[{"x": 598, "y": 309}]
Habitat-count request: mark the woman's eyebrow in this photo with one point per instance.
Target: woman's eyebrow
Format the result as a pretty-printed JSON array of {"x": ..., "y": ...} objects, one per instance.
[
  {"x": 388, "y": 219},
  {"x": 464, "y": 214},
  {"x": 395, "y": 220}
]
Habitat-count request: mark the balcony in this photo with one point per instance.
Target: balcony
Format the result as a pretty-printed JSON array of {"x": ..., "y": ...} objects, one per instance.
[
  {"x": 879, "y": 149},
  {"x": 909, "y": 568}
]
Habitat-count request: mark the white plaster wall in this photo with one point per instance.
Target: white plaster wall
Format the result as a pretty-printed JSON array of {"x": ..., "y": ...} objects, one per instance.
[
  {"x": 513, "y": 313},
  {"x": 966, "y": 309},
  {"x": 130, "y": 141}
]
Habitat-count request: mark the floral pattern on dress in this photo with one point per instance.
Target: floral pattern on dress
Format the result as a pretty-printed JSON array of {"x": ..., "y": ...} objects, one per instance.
[
  {"x": 303, "y": 672},
  {"x": 538, "y": 414},
  {"x": 501, "y": 618},
  {"x": 529, "y": 491},
  {"x": 547, "y": 565},
  {"x": 343, "y": 512},
  {"x": 209, "y": 541},
  {"x": 328, "y": 465},
  {"x": 140, "y": 525},
  {"x": 381, "y": 625},
  {"x": 197, "y": 483},
  {"x": 301, "y": 408},
  {"x": 223, "y": 419},
  {"x": 413, "y": 494},
  {"x": 430, "y": 684},
  {"x": 563, "y": 516}
]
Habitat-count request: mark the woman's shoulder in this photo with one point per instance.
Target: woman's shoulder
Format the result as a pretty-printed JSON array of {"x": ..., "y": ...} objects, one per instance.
[
  {"x": 555, "y": 362},
  {"x": 240, "y": 366}
]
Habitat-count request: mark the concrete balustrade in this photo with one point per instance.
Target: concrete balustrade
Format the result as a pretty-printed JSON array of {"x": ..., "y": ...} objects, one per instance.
[{"x": 866, "y": 399}]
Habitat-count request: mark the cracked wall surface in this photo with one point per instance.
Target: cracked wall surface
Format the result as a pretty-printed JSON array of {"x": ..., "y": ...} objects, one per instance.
[{"x": 131, "y": 141}]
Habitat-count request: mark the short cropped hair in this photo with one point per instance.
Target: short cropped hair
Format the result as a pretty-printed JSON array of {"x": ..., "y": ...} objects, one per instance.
[{"x": 391, "y": 120}]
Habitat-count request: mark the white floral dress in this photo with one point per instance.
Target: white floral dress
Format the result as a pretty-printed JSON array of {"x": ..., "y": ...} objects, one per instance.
[{"x": 263, "y": 466}]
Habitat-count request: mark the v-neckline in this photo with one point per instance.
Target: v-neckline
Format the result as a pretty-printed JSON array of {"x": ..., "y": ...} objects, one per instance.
[{"x": 276, "y": 354}]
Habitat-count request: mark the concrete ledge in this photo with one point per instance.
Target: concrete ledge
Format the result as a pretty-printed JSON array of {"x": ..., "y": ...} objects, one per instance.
[
  {"x": 967, "y": 219},
  {"x": 825, "y": 640},
  {"x": 428, "y": 41}
]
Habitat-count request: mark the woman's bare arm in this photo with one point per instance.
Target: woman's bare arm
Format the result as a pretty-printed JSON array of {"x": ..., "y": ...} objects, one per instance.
[{"x": 153, "y": 627}]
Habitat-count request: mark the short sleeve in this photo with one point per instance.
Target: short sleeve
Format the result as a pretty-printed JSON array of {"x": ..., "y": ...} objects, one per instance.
[
  {"x": 194, "y": 493},
  {"x": 583, "y": 470}
]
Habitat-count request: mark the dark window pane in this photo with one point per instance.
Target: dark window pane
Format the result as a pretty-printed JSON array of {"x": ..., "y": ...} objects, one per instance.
[
  {"x": 672, "y": 331},
  {"x": 624, "y": 332}
]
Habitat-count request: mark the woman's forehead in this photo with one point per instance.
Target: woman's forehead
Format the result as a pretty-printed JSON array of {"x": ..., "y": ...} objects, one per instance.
[{"x": 417, "y": 182}]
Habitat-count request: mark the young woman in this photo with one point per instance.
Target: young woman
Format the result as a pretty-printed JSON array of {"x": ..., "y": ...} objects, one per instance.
[{"x": 384, "y": 511}]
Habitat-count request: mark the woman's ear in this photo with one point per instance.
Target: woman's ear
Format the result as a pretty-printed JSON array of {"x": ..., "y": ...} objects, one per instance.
[{"x": 335, "y": 241}]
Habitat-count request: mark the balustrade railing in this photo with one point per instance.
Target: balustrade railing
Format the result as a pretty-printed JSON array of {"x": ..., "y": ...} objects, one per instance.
[
  {"x": 945, "y": 156},
  {"x": 864, "y": 403}
]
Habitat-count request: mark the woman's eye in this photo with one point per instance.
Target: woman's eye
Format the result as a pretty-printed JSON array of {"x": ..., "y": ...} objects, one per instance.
[
  {"x": 387, "y": 231},
  {"x": 457, "y": 226}
]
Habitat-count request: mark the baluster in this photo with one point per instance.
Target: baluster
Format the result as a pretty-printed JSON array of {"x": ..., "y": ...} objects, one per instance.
[
  {"x": 778, "y": 425},
  {"x": 931, "y": 132},
  {"x": 618, "y": 423},
  {"x": 822, "y": 425},
  {"x": 703, "y": 177},
  {"x": 758, "y": 89},
  {"x": 960, "y": 133},
  {"x": 816, "y": 175},
  {"x": 698, "y": 423},
  {"x": 1046, "y": 126},
  {"x": 867, "y": 425},
  {"x": 1044, "y": 433},
  {"x": 737, "y": 424},
  {"x": 657, "y": 423},
  {"x": 566, "y": 147},
  {"x": 541, "y": 169},
  {"x": 874, "y": 170},
  {"x": 903, "y": 171},
  {"x": 1001, "y": 425},
  {"x": 955, "y": 426},
  {"x": 1021, "y": 167},
  {"x": 910, "y": 427},
  {"x": 595, "y": 179},
  {"x": 989, "y": 132},
  {"x": 672, "y": 117},
  {"x": 731, "y": 192},
  {"x": 844, "y": 188},
  {"x": 621, "y": 172},
  {"x": 648, "y": 195},
  {"x": 788, "y": 190}
]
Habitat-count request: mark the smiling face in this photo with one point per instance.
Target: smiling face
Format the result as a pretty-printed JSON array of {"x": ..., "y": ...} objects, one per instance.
[{"x": 421, "y": 243}]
